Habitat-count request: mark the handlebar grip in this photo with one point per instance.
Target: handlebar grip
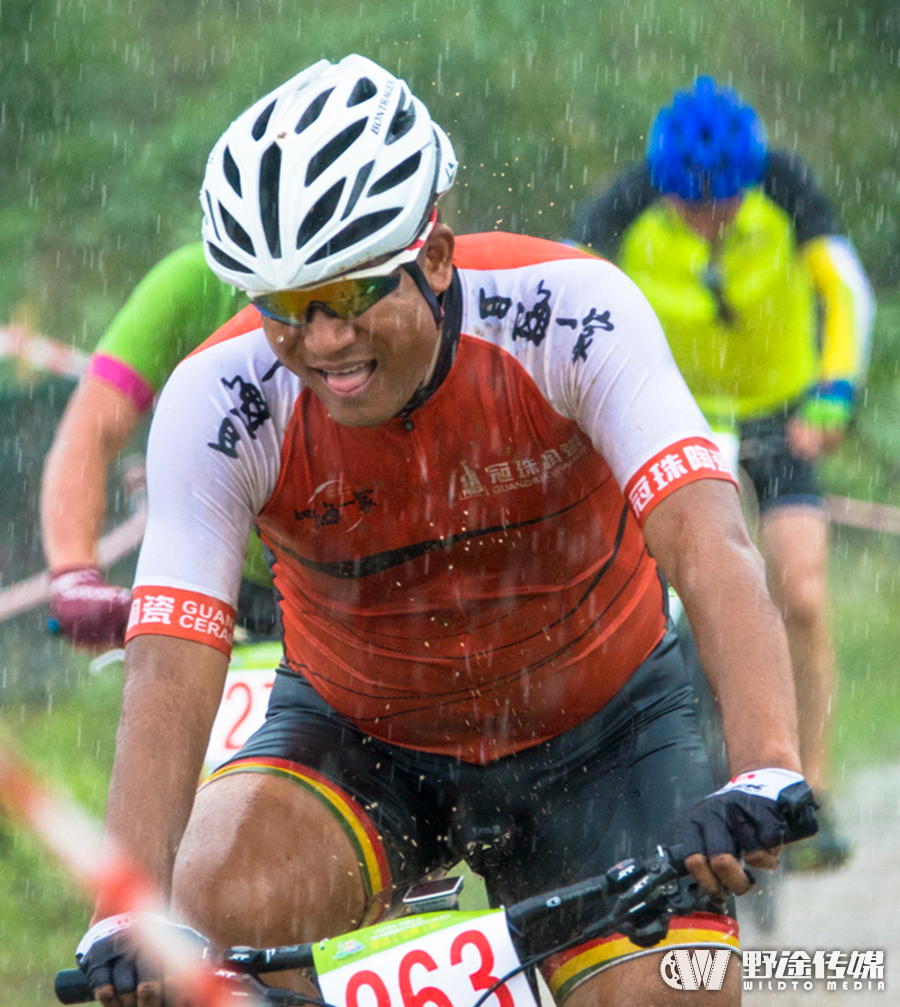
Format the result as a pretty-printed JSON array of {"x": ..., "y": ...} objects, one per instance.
[
  {"x": 798, "y": 806},
  {"x": 71, "y": 987},
  {"x": 677, "y": 853}
]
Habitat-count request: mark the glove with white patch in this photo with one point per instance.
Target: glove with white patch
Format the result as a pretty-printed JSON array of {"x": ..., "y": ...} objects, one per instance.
[
  {"x": 759, "y": 810},
  {"x": 110, "y": 955}
]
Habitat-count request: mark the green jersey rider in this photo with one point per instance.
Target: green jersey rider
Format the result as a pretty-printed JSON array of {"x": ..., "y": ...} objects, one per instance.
[{"x": 177, "y": 304}]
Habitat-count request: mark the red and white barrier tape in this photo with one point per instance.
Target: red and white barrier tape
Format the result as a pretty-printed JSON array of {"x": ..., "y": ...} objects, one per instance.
[
  {"x": 864, "y": 514},
  {"x": 35, "y": 590},
  {"x": 45, "y": 354},
  {"x": 107, "y": 873}
]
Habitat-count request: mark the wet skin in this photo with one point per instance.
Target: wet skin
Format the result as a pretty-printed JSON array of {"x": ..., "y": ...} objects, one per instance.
[
  {"x": 365, "y": 369},
  {"x": 709, "y": 217}
]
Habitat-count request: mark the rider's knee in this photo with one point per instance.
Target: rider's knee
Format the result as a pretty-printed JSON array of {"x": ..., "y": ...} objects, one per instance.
[
  {"x": 261, "y": 864},
  {"x": 803, "y": 598}
]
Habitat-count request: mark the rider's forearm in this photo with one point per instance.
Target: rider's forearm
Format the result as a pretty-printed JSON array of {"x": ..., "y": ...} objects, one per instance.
[
  {"x": 707, "y": 554},
  {"x": 98, "y": 422},
  {"x": 172, "y": 691},
  {"x": 743, "y": 648}
]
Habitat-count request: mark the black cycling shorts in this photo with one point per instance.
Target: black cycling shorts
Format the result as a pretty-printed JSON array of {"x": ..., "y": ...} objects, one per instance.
[
  {"x": 779, "y": 477},
  {"x": 564, "y": 810},
  {"x": 612, "y": 787},
  {"x": 257, "y": 611}
]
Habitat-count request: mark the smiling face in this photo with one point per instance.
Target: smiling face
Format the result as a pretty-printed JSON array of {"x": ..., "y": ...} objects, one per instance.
[{"x": 365, "y": 369}]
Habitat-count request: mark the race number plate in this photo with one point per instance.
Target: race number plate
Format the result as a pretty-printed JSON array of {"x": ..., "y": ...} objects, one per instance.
[
  {"x": 433, "y": 960},
  {"x": 251, "y": 675}
]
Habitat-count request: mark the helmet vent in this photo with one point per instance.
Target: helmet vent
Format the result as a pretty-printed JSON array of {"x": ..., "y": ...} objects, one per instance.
[
  {"x": 226, "y": 260},
  {"x": 313, "y": 111},
  {"x": 231, "y": 170},
  {"x": 363, "y": 90},
  {"x": 234, "y": 231},
  {"x": 403, "y": 121},
  {"x": 333, "y": 149},
  {"x": 362, "y": 176},
  {"x": 396, "y": 175},
  {"x": 259, "y": 127},
  {"x": 355, "y": 232},
  {"x": 269, "y": 170},
  {"x": 212, "y": 216},
  {"x": 320, "y": 214}
]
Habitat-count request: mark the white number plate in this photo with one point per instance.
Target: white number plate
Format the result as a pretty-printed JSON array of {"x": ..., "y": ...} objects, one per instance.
[
  {"x": 434, "y": 960},
  {"x": 242, "y": 710}
]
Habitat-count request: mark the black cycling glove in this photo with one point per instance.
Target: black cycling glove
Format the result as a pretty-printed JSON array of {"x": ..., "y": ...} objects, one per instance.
[
  {"x": 108, "y": 953},
  {"x": 755, "y": 811}
]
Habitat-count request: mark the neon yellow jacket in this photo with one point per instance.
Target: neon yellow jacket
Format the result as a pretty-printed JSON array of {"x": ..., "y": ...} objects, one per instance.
[{"x": 776, "y": 309}]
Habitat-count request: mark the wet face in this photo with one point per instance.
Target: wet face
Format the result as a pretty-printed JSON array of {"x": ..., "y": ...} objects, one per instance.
[
  {"x": 365, "y": 369},
  {"x": 708, "y": 217}
]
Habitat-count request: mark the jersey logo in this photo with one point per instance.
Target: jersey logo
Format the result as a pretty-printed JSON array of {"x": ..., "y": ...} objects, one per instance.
[
  {"x": 677, "y": 465},
  {"x": 171, "y": 611},
  {"x": 329, "y": 510},
  {"x": 493, "y": 307},
  {"x": 471, "y": 485},
  {"x": 592, "y": 322},
  {"x": 253, "y": 412},
  {"x": 519, "y": 473},
  {"x": 532, "y": 323}
]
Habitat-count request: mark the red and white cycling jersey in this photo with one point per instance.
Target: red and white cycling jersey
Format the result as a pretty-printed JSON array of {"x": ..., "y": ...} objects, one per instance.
[{"x": 470, "y": 579}]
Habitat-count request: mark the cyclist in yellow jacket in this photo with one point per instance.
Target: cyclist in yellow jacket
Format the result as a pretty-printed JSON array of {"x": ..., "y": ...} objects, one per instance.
[{"x": 767, "y": 312}]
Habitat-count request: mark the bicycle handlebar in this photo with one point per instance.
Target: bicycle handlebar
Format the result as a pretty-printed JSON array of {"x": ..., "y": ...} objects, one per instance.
[
  {"x": 256, "y": 961},
  {"x": 643, "y": 895},
  {"x": 635, "y": 898},
  {"x": 71, "y": 987}
]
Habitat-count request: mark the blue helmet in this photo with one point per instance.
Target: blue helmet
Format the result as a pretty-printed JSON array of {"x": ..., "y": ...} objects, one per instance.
[{"x": 707, "y": 144}]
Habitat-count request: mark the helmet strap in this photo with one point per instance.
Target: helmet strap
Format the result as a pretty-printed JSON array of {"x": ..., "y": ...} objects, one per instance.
[
  {"x": 448, "y": 341},
  {"x": 418, "y": 276}
]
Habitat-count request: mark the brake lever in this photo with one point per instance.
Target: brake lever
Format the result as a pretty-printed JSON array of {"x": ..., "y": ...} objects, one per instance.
[{"x": 664, "y": 889}]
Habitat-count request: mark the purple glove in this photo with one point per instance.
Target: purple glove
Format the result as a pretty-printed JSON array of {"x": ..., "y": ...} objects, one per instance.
[{"x": 88, "y": 611}]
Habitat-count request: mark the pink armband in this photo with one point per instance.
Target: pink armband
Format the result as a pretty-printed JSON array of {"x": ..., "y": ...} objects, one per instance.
[{"x": 124, "y": 378}]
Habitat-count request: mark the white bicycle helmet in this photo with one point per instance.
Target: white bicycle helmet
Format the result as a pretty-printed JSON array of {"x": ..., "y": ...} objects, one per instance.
[{"x": 336, "y": 169}]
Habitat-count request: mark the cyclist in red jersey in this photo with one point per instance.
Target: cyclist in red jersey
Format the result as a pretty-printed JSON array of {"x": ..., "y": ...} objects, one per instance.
[{"x": 473, "y": 461}]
